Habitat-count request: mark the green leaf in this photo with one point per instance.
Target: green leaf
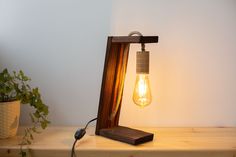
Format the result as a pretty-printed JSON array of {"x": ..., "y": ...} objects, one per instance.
[
  {"x": 44, "y": 124},
  {"x": 31, "y": 137},
  {"x": 36, "y": 114},
  {"x": 45, "y": 110}
]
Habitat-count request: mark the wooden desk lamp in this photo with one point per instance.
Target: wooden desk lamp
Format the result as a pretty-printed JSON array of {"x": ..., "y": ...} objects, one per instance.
[{"x": 112, "y": 88}]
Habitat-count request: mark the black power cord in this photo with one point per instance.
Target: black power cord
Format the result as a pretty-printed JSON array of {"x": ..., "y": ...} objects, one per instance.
[{"x": 78, "y": 135}]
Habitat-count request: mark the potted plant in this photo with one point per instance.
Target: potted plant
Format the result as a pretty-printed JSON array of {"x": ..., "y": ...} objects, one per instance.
[{"x": 15, "y": 90}]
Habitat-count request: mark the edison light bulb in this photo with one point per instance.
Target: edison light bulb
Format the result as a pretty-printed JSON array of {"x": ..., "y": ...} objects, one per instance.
[{"x": 142, "y": 92}]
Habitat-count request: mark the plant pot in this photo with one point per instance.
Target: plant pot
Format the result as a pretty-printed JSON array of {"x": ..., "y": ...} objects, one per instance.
[{"x": 9, "y": 118}]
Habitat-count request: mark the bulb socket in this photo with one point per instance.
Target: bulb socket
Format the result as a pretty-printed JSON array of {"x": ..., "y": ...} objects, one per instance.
[{"x": 142, "y": 62}]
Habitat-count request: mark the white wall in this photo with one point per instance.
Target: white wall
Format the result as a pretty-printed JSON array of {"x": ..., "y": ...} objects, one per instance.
[{"x": 61, "y": 45}]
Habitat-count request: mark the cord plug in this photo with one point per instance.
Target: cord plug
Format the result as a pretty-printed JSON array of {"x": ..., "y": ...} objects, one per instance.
[{"x": 79, "y": 134}]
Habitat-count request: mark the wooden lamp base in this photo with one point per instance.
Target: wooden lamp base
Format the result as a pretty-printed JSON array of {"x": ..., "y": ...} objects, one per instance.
[{"x": 127, "y": 135}]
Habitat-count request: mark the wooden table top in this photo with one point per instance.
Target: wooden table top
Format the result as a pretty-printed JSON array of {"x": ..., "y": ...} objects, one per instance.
[{"x": 57, "y": 141}]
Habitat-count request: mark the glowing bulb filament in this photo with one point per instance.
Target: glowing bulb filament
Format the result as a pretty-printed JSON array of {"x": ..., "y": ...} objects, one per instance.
[{"x": 142, "y": 93}]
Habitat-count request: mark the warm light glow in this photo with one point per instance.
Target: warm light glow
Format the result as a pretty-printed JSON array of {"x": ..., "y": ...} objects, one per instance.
[{"x": 142, "y": 92}]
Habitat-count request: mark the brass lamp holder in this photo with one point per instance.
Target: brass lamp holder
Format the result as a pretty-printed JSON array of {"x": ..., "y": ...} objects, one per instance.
[{"x": 115, "y": 66}]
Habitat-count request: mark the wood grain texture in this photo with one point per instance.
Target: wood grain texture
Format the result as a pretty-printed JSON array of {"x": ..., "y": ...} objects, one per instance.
[
  {"x": 168, "y": 142},
  {"x": 112, "y": 85}
]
